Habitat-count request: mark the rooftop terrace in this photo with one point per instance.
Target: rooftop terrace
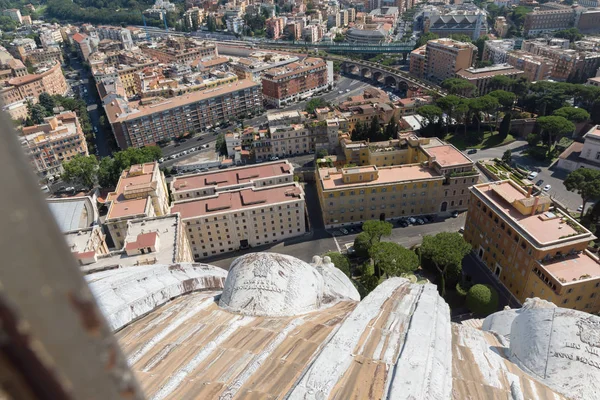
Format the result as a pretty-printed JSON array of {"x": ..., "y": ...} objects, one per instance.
[
  {"x": 331, "y": 178},
  {"x": 448, "y": 156},
  {"x": 574, "y": 267},
  {"x": 545, "y": 227}
]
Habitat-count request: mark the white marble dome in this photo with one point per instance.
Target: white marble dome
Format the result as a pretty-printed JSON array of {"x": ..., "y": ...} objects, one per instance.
[{"x": 270, "y": 284}]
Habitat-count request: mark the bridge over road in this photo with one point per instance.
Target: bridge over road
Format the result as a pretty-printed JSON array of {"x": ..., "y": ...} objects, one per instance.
[{"x": 346, "y": 48}]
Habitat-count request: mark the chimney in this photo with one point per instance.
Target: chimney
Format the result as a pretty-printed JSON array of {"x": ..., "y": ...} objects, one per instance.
[
  {"x": 529, "y": 190},
  {"x": 535, "y": 204}
]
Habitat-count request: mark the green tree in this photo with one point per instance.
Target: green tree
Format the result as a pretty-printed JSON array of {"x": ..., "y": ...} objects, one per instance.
[
  {"x": 391, "y": 129},
  {"x": 506, "y": 99},
  {"x": 459, "y": 86},
  {"x": 107, "y": 174},
  {"x": 432, "y": 114},
  {"x": 340, "y": 261},
  {"x": 501, "y": 82},
  {"x": 585, "y": 182},
  {"x": 460, "y": 37},
  {"x": 507, "y": 156},
  {"x": 533, "y": 139},
  {"x": 36, "y": 113},
  {"x": 321, "y": 153},
  {"x": 448, "y": 104},
  {"x": 81, "y": 170},
  {"x": 374, "y": 129},
  {"x": 572, "y": 34},
  {"x": 221, "y": 145},
  {"x": 48, "y": 102},
  {"x": 480, "y": 44},
  {"x": 359, "y": 132},
  {"x": 369, "y": 283},
  {"x": 376, "y": 230},
  {"x": 484, "y": 104},
  {"x": 392, "y": 259},
  {"x": 338, "y": 38},
  {"x": 573, "y": 114},
  {"x": 424, "y": 38},
  {"x": 554, "y": 127},
  {"x": 315, "y": 103},
  {"x": 462, "y": 114},
  {"x": 362, "y": 243},
  {"x": 482, "y": 299},
  {"x": 505, "y": 126},
  {"x": 446, "y": 251}
]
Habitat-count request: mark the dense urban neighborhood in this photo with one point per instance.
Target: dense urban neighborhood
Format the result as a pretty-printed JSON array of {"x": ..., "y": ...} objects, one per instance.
[{"x": 294, "y": 199}]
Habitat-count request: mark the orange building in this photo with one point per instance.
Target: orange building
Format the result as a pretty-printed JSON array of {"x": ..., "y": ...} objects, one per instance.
[
  {"x": 51, "y": 81},
  {"x": 534, "y": 248}
]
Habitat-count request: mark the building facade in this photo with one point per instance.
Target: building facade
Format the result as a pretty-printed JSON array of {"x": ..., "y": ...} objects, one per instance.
[
  {"x": 482, "y": 77},
  {"x": 543, "y": 21},
  {"x": 297, "y": 80},
  {"x": 535, "y": 68},
  {"x": 50, "y": 144},
  {"x": 140, "y": 193},
  {"x": 409, "y": 177},
  {"x": 51, "y": 81},
  {"x": 534, "y": 248},
  {"x": 224, "y": 211},
  {"x": 138, "y": 126},
  {"x": 445, "y": 57}
]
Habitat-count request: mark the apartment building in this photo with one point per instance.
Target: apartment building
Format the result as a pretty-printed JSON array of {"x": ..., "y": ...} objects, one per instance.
[
  {"x": 237, "y": 208},
  {"x": 535, "y": 68},
  {"x": 496, "y": 51},
  {"x": 121, "y": 35},
  {"x": 362, "y": 108},
  {"x": 274, "y": 27},
  {"x": 442, "y": 59},
  {"x": 392, "y": 179},
  {"x": 50, "y": 80},
  {"x": 582, "y": 155},
  {"x": 501, "y": 26},
  {"x": 534, "y": 248},
  {"x": 254, "y": 66},
  {"x": 87, "y": 244},
  {"x": 58, "y": 139},
  {"x": 482, "y": 77},
  {"x": 48, "y": 55},
  {"x": 14, "y": 14},
  {"x": 50, "y": 36},
  {"x": 297, "y": 80},
  {"x": 85, "y": 45},
  {"x": 137, "y": 124},
  {"x": 193, "y": 18},
  {"x": 544, "y": 21},
  {"x": 180, "y": 50},
  {"x": 140, "y": 193}
]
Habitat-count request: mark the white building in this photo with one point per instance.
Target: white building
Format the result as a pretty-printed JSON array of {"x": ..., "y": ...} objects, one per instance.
[
  {"x": 582, "y": 155},
  {"x": 496, "y": 51}
]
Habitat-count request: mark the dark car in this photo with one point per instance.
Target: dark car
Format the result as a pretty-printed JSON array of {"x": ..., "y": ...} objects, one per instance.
[
  {"x": 183, "y": 141},
  {"x": 471, "y": 151},
  {"x": 539, "y": 183},
  {"x": 177, "y": 144}
]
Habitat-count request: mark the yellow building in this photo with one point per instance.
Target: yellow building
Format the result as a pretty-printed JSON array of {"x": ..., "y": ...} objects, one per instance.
[
  {"x": 57, "y": 140},
  {"x": 534, "y": 248},
  {"x": 405, "y": 177},
  {"x": 140, "y": 193}
]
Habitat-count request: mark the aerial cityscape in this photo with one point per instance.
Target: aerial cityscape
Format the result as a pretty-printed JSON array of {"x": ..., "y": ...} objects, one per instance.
[{"x": 300, "y": 199}]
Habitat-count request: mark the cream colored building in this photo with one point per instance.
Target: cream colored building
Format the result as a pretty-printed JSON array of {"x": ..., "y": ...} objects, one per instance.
[
  {"x": 237, "y": 208},
  {"x": 140, "y": 193},
  {"x": 445, "y": 57},
  {"x": 50, "y": 144},
  {"x": 51, "y": 81},
  {"x": 406, "y": 177},
  {"x": 87, "y": 244}
]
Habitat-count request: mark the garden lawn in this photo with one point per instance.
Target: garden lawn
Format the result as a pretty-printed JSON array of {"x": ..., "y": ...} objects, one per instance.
[{"x": 473, "y": 141}]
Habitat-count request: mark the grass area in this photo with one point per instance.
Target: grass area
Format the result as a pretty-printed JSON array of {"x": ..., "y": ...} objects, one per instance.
[{"x": 472, "y": 140}]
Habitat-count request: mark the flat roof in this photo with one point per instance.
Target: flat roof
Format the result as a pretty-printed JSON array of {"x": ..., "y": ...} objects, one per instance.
[
  {"x": 163, "y": 227},
  {"x": 544, "y": 228},
  {"x": 78, "y": 240},
  {"x": 237, "y": 200},
  {"x": 573, "y": 267},
  {"x": 397, "y": 173},
  {"x": 494, "y": 70},
  {"x": 188, "y": 98},
  {"x": 72, "y": 213},
  {"x": 127, "y": 208},
  {"x": 448, "y": 155},
  {"x": 231, "y": 176}
]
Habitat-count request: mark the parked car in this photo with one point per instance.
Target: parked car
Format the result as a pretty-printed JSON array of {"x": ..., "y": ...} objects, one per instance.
[
  {"x": 532, "y": 175},
  {"x": 45, "y": 189},
  {"x": 412, "y": 220},
  {"x": 161, "y": 160},
  {"x": 344, "y": 231},
  {"x": 547, "y": 187},
  {"x": 341, "y": 92},
  {"x": 471, "y": 151},
  {"x": 454, "y": 214},
  {"x": 177, "y": 144},
  {"x": 183, "y": 141},
  {"x": 205, "y": 146},
  {"x": 274, "y": 158},
  {"x": 347, "y": 90},
  {"x": 96, "y": 129},
  {"x": 540, "y": 182},
  {"x": 403, "y": 224},
  {"x": 461, "y": 229},
  {"x": 70, "y": 189},
  {"x": 420, "y": 221},
  {"x": 580, "y": 208}
]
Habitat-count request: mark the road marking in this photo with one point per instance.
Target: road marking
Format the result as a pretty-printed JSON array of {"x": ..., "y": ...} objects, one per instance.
[{"x": 337, "y": 244}]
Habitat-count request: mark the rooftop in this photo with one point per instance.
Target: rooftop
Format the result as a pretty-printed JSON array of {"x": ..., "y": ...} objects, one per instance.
[
  {"x": 486, "y": 72},
  {"x": 143, "y": 231},
  {"x": 78, "y": 240},
  {"x": 232, "y": 176},
  {"x": 73, "y": 213},
  {"x": 135, "y": 184},
  {"x": 331, "y": 178},
  {"x": 593, "y": 133},
  {"x": 574, "y": 267},
  {"x": 447, "y": 156},
  {"x": 546, "y": 227},
  {"x": 237, "y": 200},
  {"x": 128, "y": 208}
]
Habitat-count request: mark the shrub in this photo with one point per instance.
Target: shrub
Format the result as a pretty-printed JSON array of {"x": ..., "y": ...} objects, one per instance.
[
  {"x": 482, "y": 299},
  {"x": 340, "y": 261}
]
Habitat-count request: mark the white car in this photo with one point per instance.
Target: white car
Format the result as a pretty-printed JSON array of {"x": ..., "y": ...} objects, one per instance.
[
  {"x": 532, "y": 175},
  {"x": 274, "y": 158},
  {"x": 547, "y": 187},
  {"x": 580, "y": 208},
  {"x": 161, "y": 160}
]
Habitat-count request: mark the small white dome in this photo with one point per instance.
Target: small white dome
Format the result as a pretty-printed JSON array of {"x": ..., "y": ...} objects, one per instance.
[{"x": 270, "y": 284}]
